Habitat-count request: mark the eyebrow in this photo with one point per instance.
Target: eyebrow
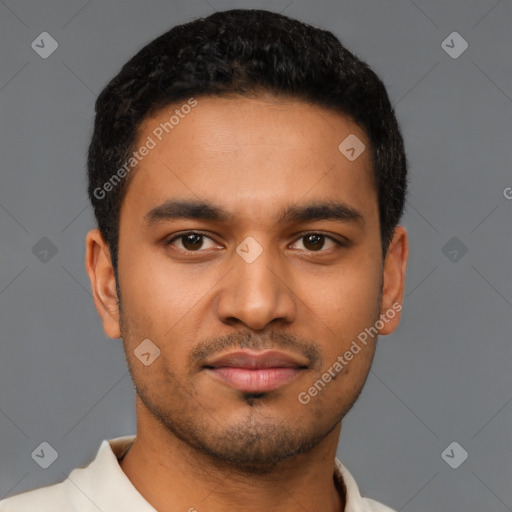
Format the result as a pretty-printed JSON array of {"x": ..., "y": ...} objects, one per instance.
[{"x": 204, "y": 210}]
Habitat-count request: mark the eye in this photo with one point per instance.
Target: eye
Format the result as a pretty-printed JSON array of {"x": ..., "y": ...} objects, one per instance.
[
  {"x": 315, "y": 242},
  {"x": 192, "y": 241}
]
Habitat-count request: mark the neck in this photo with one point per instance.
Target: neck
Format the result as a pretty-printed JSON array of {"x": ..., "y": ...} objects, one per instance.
[{"x": 171, "y": 475}]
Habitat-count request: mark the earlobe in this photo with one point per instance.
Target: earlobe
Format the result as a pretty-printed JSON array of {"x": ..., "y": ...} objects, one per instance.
[
  {"x": 101, "y": 275},
  {"x": 393, "y": 285}
]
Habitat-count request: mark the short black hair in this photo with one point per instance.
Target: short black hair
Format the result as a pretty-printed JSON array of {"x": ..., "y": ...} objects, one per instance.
[{"x": 241, "y": 52}]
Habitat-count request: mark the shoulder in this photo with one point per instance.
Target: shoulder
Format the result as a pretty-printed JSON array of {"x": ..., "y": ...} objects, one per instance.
[
  {"x": 371, "y": 506},
  {"x": 354, "y": 501},
  {"x": 44, "y": 499},
  {"x": 84, "y": 488}
]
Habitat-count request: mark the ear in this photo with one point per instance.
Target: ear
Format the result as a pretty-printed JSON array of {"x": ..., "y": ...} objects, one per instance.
[
  {"x": 101, "y": 274},
  {"x": 393, "y": 283}
]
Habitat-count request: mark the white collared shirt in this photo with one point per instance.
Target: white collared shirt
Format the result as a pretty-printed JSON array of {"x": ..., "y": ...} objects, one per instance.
[{"x": 102, "y": 485}]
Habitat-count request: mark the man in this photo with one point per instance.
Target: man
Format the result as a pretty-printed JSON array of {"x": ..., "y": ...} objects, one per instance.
[{"x": 247, "y": 174}]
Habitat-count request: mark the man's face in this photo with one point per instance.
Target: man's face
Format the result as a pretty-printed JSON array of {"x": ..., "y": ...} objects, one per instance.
[{"x": 249, "y": 278}]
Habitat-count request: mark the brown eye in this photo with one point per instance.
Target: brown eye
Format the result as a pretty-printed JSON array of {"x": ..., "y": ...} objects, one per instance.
[
  {"x": 191, "y": 242},
  {"x": 315, "y": 242}
]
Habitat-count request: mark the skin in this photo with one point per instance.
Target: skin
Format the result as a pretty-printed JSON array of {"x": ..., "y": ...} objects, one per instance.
[{"x": 201, "y": 443}]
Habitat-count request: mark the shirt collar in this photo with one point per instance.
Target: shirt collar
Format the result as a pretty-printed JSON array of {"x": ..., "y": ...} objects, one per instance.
[
  {"x": 104, "y": 474},
  {"x": 103, "y": 485},
  {"x": 353, "y": 499}
]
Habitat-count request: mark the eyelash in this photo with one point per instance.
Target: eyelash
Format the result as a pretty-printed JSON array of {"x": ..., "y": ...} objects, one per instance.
[{"x": 183, "y": 235}]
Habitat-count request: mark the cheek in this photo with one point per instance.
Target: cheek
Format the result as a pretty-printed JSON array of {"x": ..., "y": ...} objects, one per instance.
[
  {"x": 161, "y": 302},
  {"x": 349, "y": 307},
  {"x": 157, "y": 292},
  {"x": 348, "y": 300}
]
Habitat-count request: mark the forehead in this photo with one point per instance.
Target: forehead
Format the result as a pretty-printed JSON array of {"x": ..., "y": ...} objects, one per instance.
[{"x": 251, "y": 154}]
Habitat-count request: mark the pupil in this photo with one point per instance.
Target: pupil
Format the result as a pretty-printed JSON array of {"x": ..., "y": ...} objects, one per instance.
[
  {"x": 316, "y": 241},
  {"x": 193, "y": 241}
]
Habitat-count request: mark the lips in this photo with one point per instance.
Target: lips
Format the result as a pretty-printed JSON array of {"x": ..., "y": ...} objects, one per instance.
[{"x": 253, "y": 371}]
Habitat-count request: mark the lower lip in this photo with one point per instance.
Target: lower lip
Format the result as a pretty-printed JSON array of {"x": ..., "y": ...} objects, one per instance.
[{"x": 255, "y": 381}]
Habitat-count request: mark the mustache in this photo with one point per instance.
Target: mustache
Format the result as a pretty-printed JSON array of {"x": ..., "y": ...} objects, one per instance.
[{"x": 274, "y": 340}]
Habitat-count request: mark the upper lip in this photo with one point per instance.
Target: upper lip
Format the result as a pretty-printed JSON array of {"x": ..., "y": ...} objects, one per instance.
[{"x": 257, "y": 359}]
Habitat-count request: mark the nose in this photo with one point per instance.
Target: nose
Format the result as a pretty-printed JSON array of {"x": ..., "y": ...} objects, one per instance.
[{"x": 257, "y": 293}]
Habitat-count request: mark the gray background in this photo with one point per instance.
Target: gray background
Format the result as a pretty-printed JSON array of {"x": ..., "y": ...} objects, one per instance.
[{"x": 445, "y": 374}]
